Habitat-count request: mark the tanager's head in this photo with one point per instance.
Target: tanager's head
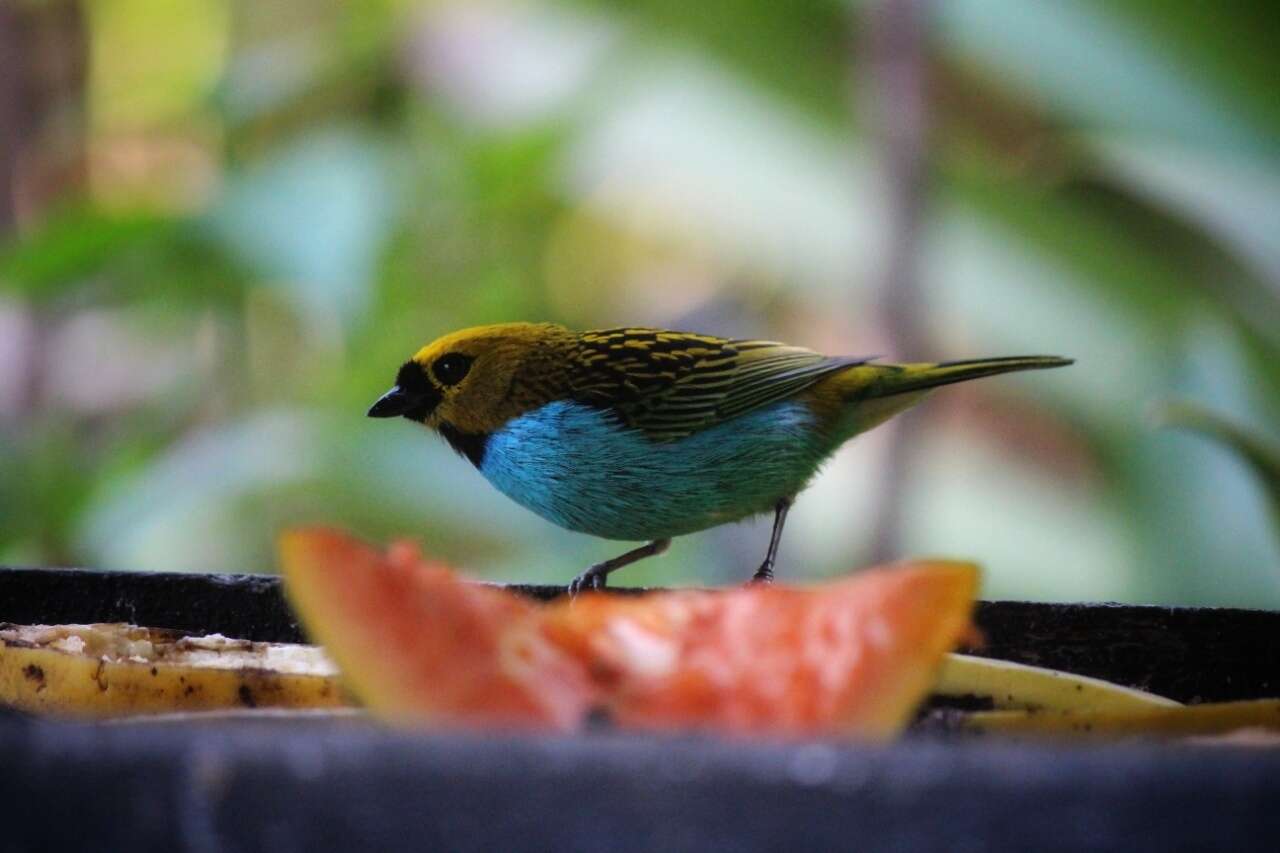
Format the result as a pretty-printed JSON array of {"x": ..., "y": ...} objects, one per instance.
[{"x": 474, "y": 380}]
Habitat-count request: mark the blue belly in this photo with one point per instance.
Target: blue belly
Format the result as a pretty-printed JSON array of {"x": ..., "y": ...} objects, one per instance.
[{"x": 575, "y": 467}]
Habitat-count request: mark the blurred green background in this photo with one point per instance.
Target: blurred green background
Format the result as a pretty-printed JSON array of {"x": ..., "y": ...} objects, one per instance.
[{"x": 223, "y": 225}]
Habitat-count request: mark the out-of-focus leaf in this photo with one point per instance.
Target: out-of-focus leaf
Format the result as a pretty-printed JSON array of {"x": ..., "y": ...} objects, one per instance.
[
  {"x": 1262, "y": 455},
  {"x": 1095, "y": 69},
  {"x": 1128, "y": 272},
  {"x": 43, "y": 489},
  {"x": 799, "y": 50},
  {"x": 127, "y": 255},
  {"x": 73, "y": 244},
  {"x": 1237, "y": 199},
  {"x": 1230, "y": 43}
]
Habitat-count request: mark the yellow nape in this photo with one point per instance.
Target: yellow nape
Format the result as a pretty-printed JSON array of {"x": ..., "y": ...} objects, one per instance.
[{"x": 477, "y": 339}]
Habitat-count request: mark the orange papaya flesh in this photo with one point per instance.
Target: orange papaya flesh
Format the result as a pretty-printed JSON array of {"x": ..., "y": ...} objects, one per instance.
[
  {"x": 416, "y": 644},
  {"x": 854, "y": 656}
]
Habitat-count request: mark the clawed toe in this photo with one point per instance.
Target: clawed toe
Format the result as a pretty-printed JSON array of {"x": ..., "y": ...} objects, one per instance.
[
  {"x": 763, "y": 575},
  {"x": 594, "y": 578}
]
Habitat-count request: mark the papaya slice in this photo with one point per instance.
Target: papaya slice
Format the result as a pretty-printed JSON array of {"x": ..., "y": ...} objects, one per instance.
[{"x": 418, "y": 644}]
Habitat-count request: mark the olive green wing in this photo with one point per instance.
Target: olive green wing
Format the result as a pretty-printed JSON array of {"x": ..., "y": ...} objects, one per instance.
[{"x": 672, "y": 384}]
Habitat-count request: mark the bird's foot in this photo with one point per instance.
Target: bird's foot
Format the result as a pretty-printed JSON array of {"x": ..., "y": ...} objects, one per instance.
[
  {"x": 594, "y": 578},
  {"x": 763, "y": 575}
]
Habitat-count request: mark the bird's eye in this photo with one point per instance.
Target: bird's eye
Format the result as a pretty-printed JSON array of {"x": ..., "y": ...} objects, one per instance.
[{"x": 451, "y": 367}]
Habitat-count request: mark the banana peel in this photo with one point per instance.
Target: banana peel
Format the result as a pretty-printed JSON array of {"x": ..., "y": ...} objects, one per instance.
[
  {"x": 1033, "y": 701},
  {"x": 1212, "y": 718},
  {"x": 111, "y": 670},
  {"x": 1009, "y": 685}
]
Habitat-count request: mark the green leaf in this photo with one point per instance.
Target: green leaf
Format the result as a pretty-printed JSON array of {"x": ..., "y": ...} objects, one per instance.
[
  {"x": 1262, "y": 455},
  {"x": 73, "y": 244}
]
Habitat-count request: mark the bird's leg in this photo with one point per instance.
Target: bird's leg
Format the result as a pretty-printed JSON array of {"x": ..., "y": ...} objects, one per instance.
[
  {"x": 596, "y": 577},
  {"x": 764, "y": 574}
]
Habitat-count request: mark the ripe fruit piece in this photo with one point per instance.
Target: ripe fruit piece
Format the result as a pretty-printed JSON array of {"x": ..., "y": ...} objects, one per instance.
[
  {"x": 854, "y": 656},
  {"x": 116, "y": 669},
  {"x": 418, "y": 644}
]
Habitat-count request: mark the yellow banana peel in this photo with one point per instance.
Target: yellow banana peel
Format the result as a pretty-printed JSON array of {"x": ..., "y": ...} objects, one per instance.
[
  {"x": 1213, "y": 718},
  {"x": 109, "y": 670},
  {"x": 1010, "y": 685}
]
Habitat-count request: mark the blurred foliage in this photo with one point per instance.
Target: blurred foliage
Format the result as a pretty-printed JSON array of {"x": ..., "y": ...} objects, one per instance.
[
  {"x": 1262, "y": 456},
  {"x": 227, "y": 235}
]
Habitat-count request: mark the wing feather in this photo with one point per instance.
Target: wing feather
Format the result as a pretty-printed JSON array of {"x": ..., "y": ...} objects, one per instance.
[{"x": 672, "y": 384}]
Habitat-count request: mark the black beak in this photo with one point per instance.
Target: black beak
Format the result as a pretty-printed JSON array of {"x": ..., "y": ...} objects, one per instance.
[
  {"x": 393, "y": 404},
  {"x": 413, "y": 396}
]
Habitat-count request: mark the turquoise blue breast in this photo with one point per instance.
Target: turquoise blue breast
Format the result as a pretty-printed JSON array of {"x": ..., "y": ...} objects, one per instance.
[{"x": 576, "y": 467}]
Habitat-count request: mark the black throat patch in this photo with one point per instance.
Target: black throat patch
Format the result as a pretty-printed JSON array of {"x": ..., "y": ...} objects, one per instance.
[{"x": 470, "y": 445}]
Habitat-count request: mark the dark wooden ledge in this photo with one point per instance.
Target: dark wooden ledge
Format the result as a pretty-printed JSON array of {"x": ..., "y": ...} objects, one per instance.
[{"x": 1189, "y": 654}]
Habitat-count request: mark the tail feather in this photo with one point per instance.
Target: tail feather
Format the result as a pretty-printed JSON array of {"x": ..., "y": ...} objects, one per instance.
[
  {"x": 887, "y": 380},
  {"x": 869, "y": 394}
]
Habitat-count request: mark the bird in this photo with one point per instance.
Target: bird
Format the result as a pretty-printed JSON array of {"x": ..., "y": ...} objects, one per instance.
[{"x": 643, "y": 434}]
